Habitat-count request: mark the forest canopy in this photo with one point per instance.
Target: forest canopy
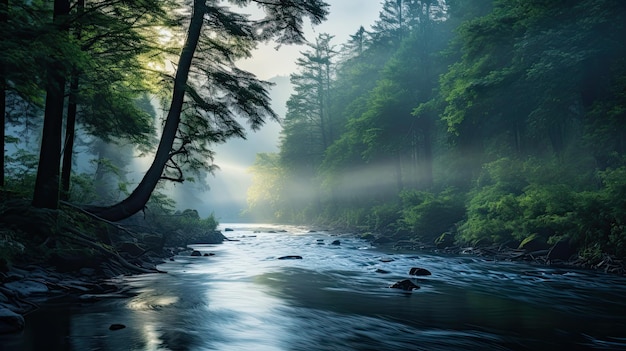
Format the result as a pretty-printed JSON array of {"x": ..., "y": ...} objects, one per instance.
[{"x": 492, "y": 121}]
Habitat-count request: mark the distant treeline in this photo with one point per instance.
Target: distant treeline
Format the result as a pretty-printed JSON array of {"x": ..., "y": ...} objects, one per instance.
[{"x": 490, "y": 120}]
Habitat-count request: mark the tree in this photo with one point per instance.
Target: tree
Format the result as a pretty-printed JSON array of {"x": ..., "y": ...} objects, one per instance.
[
  {"x": 85, "y": 43},
  {"x": 70, "y": 125},
  {"x": 308, "y": 127},
  {"x": 46, "y": 194},
  {"x": 528, "y": 73},
  {"x": 228, "y": 36},
  {"x": 111, "y": 77},
  {"x": 4, "y": 17}
]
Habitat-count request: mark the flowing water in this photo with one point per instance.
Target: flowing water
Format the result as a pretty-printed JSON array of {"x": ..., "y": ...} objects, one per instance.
[{"x": 337, "y": 297}]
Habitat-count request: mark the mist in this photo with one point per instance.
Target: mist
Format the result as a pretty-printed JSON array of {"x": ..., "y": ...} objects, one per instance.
[{"x": 224, "y": 192}]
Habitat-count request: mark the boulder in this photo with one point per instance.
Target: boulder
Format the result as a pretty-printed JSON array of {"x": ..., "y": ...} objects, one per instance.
[
  {"x": 10, "y": 322},
  {"x": 196, "y": 253},
  {"x": 116, "y": 326},
  {"x": 228, "y": 229},
  {"x": 336, "y": 242},
  {"x": 405, "y": 285},
  {"x": 419, "y": 271},
  {"x": 561, "y": 251}
]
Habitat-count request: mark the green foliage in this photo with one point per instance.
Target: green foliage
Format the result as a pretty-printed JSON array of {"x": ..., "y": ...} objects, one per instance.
[
  {"x": 190, "y": 222},
  {"x": 523, "y": 112},
  {"x": 184, "y": 227},
  {"x": 503, "y": 209},
  {"x": 428, "y": 215},
  {"x": 20, "y": 167},
  {"x": 383, "y": 218}
]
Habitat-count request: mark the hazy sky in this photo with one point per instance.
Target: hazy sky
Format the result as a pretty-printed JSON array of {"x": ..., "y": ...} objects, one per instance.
[
  {"x": 346, "y": 16},
  {"x": 227, "y": 195}
]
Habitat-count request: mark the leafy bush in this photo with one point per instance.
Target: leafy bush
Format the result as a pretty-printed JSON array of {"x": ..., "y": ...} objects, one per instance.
[
  {"x": 504, "y": 206},
  {"x": 492, "y": 215},
  {"x": 429, "y": 215},
  {"x": 383, "y": 218},
  {"x": 20, "y": 171},
  {"x": 184, "y": 227}
]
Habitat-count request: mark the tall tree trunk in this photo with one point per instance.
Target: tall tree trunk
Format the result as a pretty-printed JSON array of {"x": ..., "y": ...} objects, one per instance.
[
  {"x": 137, "y": 200},
  {"x": 70, "y": 125},
  {"x": 68, "y": 147},
  {"x": 4, "y": 18},
  {"x": 46, "y": 193}
]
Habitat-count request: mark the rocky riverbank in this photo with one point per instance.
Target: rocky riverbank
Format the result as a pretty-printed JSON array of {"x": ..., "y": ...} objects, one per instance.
[
  {"x": 27, "y": 284},
  {"x": 559, "y": 254},
  {"x": 69, "y": 253}
]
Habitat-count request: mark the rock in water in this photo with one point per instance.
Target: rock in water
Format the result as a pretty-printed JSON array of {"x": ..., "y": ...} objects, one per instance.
[
  {"x": 196, "y": 253},
  {"x": 10, "y": 322},
  {"x": 290, "y": 257},
  {"x": 117, "y": 326},
  {"x": 336, "y": 242},
  {"x": 405, "y": 285},
  {"x": 419, "y": 271}
]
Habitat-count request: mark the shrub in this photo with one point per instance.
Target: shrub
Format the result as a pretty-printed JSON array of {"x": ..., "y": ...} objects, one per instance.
[{"x": 429, "y": 215}]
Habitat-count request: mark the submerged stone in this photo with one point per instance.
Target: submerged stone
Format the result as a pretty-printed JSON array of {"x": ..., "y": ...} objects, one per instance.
[
  {"x": 116, "y": 326},
  {"x": 290, "y": 257},
  {"x": 419, "y": 271},
  {"x": 405, "y": 285}
]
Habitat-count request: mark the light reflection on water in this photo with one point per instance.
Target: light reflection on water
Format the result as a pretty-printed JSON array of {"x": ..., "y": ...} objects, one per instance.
[{"x": 244, "y": 298}]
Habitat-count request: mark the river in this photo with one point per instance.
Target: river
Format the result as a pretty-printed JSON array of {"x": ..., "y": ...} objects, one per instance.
[{"x": 337, "y": 297}]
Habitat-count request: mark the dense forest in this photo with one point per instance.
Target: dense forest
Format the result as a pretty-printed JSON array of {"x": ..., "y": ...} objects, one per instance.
[
  {"x": 461, "y": 122},
  {"x": 87, "y": 86}
]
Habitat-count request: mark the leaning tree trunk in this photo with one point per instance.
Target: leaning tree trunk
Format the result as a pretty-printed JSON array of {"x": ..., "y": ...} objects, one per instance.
[
  {"x": 137, "y": 200},
  {"x": 46, "y": 193}
]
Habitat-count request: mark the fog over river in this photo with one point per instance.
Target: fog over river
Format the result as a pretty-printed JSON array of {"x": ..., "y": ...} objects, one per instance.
[{"x": 337, "y": 297}]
